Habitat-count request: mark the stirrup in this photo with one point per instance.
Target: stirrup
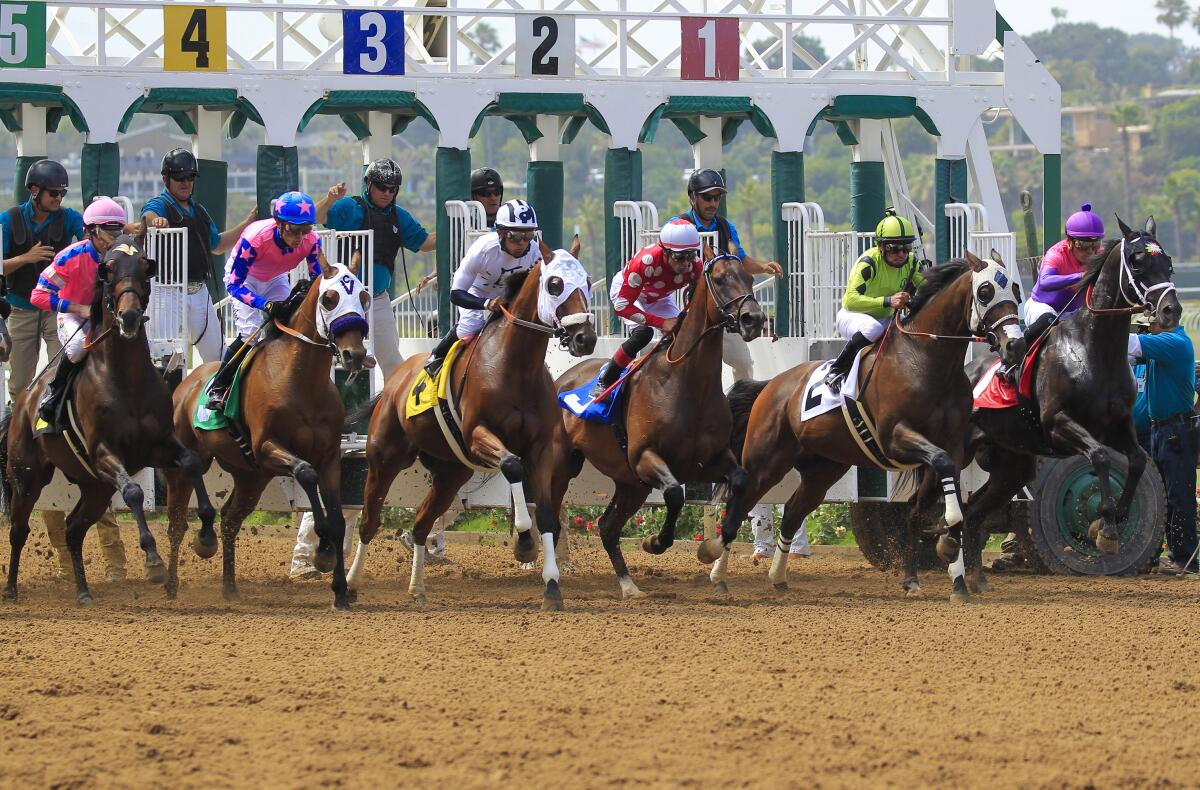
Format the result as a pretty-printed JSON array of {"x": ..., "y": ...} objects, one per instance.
[
  {"x": 433, "y": 365},
  {"x": 216, "y": 399},
  {"x": 834, "y": 381}
]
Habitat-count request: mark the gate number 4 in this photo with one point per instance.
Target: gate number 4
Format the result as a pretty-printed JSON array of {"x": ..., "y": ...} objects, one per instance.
[{"x": 195, "y": 37}]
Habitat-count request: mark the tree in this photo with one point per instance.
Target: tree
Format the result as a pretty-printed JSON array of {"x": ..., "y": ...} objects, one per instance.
[
  {"x": 1182, "y": 188},
  {"x": 1124, "y": 116},
  {"x": 1174, "y": 14},
  {"x": 1059, "y": 14}
]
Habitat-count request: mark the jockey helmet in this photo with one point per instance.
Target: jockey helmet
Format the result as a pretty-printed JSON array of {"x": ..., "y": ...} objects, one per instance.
[
  {"x": 103, "y": 211},
  {"x": 516, "y": 215},
  {"x": 679, "y": 234},
  {"x": 894, "y": 228},
  {"x": 384, "y": 172},
  {"x": 296, "y": 208},
  {"x": 705, "y": 180},
  {"x": 47, "y": 174},
  {"x": 1085, "y": 224},
  {"x": 486, "y": 178},
  {"x": 179, "y": 162}
]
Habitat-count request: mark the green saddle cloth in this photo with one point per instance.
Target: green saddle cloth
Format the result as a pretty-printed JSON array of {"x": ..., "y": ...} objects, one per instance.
[{"x": 207, "y": 420}]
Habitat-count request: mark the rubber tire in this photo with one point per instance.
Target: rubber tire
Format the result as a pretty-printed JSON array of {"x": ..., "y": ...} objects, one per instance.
[
  {"x": 880, "y": 531},
  {"x": 1136, "y": 553}
]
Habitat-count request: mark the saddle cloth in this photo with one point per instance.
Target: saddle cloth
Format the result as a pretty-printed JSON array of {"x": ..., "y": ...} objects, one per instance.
[
  {"x": 604, "y": 412},
  {"x": 997, "y": 392},
  {"x": 207, "y": 420},
  {"x": 819, "y": 399},
  {"x": 425, "y": 393}
]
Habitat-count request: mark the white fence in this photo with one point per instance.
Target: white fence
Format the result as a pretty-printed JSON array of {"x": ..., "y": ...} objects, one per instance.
[
  {"x": 168, "y": 309},
  {"x": 818, "y": 265}
]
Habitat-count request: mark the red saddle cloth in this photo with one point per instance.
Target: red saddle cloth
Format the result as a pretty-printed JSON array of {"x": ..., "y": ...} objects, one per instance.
[{"x": 997, "y": 392}]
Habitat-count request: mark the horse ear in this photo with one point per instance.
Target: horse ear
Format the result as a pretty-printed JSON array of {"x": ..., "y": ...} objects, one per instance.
[
  {"x": 708, "y": 251},
  {"x": 151, "y": 267},
  {"x": 356, "y": 262},
  {"x": 1151, "y": 226},
  {"x": 547, "y": 253},
  {"x": 976, "y": 264},
  {"x": 995, "y": 256},
  {"x": 1126, "y": 231}
]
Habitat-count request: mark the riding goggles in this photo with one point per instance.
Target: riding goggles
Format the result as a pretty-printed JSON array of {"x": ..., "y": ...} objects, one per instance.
[
  {"x": 289, "y": 228},
  {"x": 386, "y": 189},
  {"x": 490, "y": 193},
  {"x": 187, "y": 177},
  {"x": 1086, "y": 244},
  {"x": 905, "y": 248},
  {"x": 520, "y": 235},
  {"x": 682, "y": 255},
  {"x": 109, "y": 227}
]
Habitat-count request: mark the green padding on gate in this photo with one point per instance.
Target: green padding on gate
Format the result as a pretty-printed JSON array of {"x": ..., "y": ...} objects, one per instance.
[
  {"x": 99, "y": 170},
  {"x": 691, "y": 132},
  {"x": 9, "y": 119},
  {"x": 708, "y": 105},
  {"x": 277, "y": 171},
  {"x": 176, "y": 102},
  {"x": 526, "y": 124},
  {"x": 787, "y": 186},
  {"x": 355, "y": 123},
  {"x": 853, "y": 107},
  {"x": 1051, "y": 199},
  {"x": 729, "y": 130},
  {"x": 868, "y": 189},
  {"x": 545, "y": 181},
  {"x": 539, "y": 103},
  {"x": 845, "y": 133},
  {"x": 245, "y": 111},
  {"x": 341, "y": 102},
  {"x": 453, "y": 182},
  {"x": 20, "y": 168},
  {"x": 950, "y": 186},
  {"x": 1002, "y": 27},
  {"x": 622, "y": 181},
  {"x": 58, "y": 104},
  {"x": 212, "y": 188}
]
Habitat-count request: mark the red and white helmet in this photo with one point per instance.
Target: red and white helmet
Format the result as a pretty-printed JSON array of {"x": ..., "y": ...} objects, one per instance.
[
  {"x": 102, "y": 211},
  {"x": 679, "y": 234}
]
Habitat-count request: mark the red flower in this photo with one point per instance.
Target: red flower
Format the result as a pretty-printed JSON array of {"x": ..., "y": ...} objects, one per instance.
[
  {"x": 578, "y": 520},
  {"x": 591, "y": 525},
  {"x": 698, "y": 536},
  {"x": 639, "y": 519}
]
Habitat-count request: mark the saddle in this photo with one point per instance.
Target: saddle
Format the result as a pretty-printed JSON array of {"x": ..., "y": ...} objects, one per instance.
[
  {"x": 997, "y": 392},
  {"x": 435, "y": 394},
  {"x": 67, "y": 419},
  {"x": 230, "y": 418}
]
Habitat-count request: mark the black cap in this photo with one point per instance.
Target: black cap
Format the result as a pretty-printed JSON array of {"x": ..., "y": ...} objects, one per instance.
[
  {"x": 485, "y": 178},
  {"x": 706, "y": 180},
  {"x": 180, "y": 162},
  {"x": 47, "y": 174}
]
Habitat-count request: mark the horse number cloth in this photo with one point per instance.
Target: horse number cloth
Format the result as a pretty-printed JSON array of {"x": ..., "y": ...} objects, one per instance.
[
  {"x": 208, "y": 420},
  {"x": 425, "y": 393},
  {"x": 604, "y": 412},
  {"x": 819, "y": 399}
]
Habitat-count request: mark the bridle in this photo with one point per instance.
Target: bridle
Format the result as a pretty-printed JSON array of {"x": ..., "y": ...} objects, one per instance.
[
  {"x": 1126, "y": 278},
  {"x": 730, "y": 319},
  {"x": 977, "y": 321},
  {"x": 561, "y": 326}
]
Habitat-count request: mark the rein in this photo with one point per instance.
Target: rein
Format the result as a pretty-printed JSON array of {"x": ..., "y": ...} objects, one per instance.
[
  {"x": 1123, "y": 275},
  {"x": 287, "y": 330},
  {"x": 728, "y": 320}
]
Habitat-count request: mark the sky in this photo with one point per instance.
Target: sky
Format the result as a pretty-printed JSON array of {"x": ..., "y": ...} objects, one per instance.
[{"x": 1132, "y": 16}]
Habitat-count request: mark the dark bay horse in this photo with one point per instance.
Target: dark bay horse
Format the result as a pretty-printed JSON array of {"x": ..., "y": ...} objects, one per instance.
[
  {"x": 676, "y": 418},
  {"x": 509, "y": 418},
  {"x": 1083, "y": 386},
  {"x": 124, "y": 416},
  {"x": 915, "y": 389},
  {"x": 294, "y": 416}
]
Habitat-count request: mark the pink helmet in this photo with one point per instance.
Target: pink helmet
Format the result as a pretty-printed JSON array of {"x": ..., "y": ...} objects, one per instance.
[
  {"x": 679, "y": 234},
  {"x": 1085, "y": 224},
  {"x": 103, "y": 210}
]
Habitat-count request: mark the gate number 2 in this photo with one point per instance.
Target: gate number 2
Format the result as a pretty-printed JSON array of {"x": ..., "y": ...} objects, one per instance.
[{"x": 548, "y": 27}]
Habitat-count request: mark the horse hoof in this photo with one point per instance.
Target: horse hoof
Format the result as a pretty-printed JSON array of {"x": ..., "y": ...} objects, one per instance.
[
  {"x": 947, "y": 548},
  {"x": 1109, "y": 546},
  {"x": 324, "y": 562},
  {"x": 781, "y": 587},
  {"x": 10, "y": 595},
  {"x": 552, "y": 600},
  {"x": 231, "y": 594},
  {"x": 978, "y": 586},
  {"x": 418, "y": 599},
  {"x": 913, "y": 592},
  {"x": 84, "y": 600},
  {"x": 720, "y": 588},
  {"x": 341, "y": 606},
  {"x": 172, "y": 595},
  {"x": 525, "y": 550},
  {"x": 156, "y": 573},
  {"x": 650, "y": 545},
  {"x": 710, "y": 551},
  {"x": 958, "y": 597},
  {"x": 352, "y": 596},
  {"x": 204, "y": 549}
]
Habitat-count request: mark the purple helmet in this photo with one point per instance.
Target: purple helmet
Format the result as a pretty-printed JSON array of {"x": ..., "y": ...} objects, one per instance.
[{"x": 1085, "y": 224}]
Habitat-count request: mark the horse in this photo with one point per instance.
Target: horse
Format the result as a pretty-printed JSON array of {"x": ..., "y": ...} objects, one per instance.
[
  {"x": 123, "y": 415},
  {"x": 293, "y": 416},
  {"x": 509, "y": 418},
  {"x": 1083, "y": 388},
  {"x": 676, "y": 419},
  {"x": 915, "y": 389}
]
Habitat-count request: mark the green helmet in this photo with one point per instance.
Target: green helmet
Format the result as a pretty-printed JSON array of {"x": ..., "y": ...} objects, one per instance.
[{"x": 894, "y": 228}]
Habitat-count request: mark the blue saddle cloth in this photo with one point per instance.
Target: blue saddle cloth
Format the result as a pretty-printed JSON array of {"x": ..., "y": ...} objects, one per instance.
[{"x": 604, "y": 412}]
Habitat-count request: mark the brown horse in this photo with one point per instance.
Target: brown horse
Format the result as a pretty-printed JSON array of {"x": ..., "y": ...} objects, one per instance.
[
  {"x": 916, "y": 391},
  {"x": 509, "y": 418},
  {"x": 676, "y": 418},
  {"x": 123, "y": 414},
  {"x": 1083, "y": 388},
  {"x": 293, "y": 415}
]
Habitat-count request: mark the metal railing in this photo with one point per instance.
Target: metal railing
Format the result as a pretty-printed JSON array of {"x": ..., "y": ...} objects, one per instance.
[{"x": 168, "y": 325}]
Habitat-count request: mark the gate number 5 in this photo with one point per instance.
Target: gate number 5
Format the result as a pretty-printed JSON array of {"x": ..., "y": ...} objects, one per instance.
[{"x": 195, "y": 37}]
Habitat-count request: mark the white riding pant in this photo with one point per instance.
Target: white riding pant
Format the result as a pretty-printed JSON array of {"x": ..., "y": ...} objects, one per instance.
[
  {"x": 203, "y": 325},
  {"x": 849, "y": 322},
  {"x": 72, "y": 331},
  {"x": 306, "y": 540},
  {"x": 663, "y": 308},
  {"x": 762, "y": 524},
  {"x": 470, "y": 322},
  {"x": 385, "y": 340},
  {"x": 1035, "y": 310},
  {"x": 735, "y": 352},
  {"x": 247, "y": 318}
]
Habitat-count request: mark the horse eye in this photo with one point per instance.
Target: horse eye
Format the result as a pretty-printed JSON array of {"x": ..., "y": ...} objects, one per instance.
[
  {"x": 329, "y": 300},
  {"x": 986, "y": 292},
  {"x": 554, "y": 286}
]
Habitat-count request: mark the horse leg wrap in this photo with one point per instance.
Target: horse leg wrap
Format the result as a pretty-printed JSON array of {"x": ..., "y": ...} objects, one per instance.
[
  {"x": 514, "y": 473},
  {"x": 779, "y": 573},
  {"x": 954, "y": 514},
  {"x": 549, "y": 562}
]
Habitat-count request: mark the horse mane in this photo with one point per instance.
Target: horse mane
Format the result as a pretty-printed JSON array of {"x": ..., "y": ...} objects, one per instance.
[
  {"x": 512, "y": 287},
  {"x": 936, "y": 280},
  {"x": 1095, "y": 265}
]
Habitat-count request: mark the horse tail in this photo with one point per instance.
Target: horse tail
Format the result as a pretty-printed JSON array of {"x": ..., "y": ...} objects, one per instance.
[
  {"x": 741, "y": 400},
  {"x": 907, "y": 484},
  {"x": 5, "y": 483},
  {"x": 364, "y": 411}
]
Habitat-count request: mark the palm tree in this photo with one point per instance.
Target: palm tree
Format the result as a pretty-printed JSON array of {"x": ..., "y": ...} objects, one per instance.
[
  {"x": 1124, "y": 116},
  {"x": 1174, "y": 14},
  {"x": 1058, "y": 13}
]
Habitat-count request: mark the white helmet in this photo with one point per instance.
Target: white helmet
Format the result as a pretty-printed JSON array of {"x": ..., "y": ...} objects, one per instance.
[
  {"x": 516, "y": 215},
  {"x": 679, "y": 234}
]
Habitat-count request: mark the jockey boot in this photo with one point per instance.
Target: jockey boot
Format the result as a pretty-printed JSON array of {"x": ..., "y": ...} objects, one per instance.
[
  {"x": 52, "y": 397},
  {"x": 1037, "y": 328},
  {"x": 845, "y": 360},
  {"x": 434, "y": 363},
  {"x": 219, "y": 390},
  {"x": 612, "y": 370}
]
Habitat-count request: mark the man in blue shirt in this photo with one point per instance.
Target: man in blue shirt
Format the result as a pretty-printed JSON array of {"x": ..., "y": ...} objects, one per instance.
[
  {"x": 705, "y": 188},
  {"x": 394, "y": 228},
  {"x": 176, "y": 208},
  {"x": 1170, "y": 396},
  {"x": 34, "y": 232}
]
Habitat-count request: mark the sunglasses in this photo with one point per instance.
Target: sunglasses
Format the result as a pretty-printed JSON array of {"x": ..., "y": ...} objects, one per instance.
[
  {"x": 184, "y": 179},
  {"x": 387, "y": 190},
  {"x": 1087, "y": 244},
  {"x": 291, "y": 229},
  {"x": 109, "y": 227},
  {"x": 681, "y": 255},
  {"x": 714, "y": 197},
  {"x": 520, "y": 235},
  {"x": 490, "y": 193},
  {"x": 55, "y": 193},
  {"x": 897, "y": 248}
]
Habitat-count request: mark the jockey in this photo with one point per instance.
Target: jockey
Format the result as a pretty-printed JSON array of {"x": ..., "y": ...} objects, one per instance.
[
  {"x": 256, "y": 274},
  {"x": 67, "y": 287},
  {"x": 880, "y": 283},
  {"x": 481, "y": 276},
  {"x": 1061, "y": 268},
  {"x": 641, "y": 293}
]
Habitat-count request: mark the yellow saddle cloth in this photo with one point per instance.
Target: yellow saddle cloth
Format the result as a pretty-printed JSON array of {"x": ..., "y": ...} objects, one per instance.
[{"x": 426, "y": 392}]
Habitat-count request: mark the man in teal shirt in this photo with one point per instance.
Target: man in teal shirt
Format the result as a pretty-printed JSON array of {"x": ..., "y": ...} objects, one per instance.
[{"x": 1170, "y": 397}]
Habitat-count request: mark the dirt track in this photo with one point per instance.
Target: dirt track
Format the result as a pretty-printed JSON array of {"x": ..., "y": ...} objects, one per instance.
[{"x": 1052, "y": 682}]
